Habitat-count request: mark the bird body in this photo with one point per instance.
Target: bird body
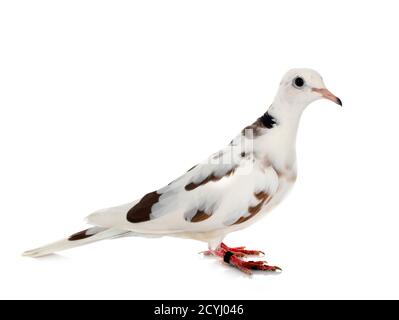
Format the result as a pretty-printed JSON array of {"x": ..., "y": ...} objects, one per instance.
[
  {"x": 248, "y": 174},
  {"x": 226, "y": 192}
]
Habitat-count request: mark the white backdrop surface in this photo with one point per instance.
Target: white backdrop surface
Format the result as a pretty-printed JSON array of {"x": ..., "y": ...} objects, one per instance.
[{"x": 103, "y": 101}]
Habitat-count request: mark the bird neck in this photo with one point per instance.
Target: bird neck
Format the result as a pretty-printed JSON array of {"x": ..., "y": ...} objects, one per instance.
[
  {"x": 286, "y": 116},
  {"x": 278, "y": 145}
]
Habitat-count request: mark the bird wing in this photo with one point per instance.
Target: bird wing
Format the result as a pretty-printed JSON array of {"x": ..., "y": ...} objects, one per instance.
[{"x": 226, "y": 189}]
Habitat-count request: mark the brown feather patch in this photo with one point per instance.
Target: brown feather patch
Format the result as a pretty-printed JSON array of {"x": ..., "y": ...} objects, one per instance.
[
  {"x": 263, "y": 198},
  {"x": 142, "y": 210},
  {"x": 261, "y": 195},
  {"x": 254, "y": 130},
  {"x": 200, "y": 216},
  {"x": 212, "y": 177},
  {"x": 80, "y": 235}
]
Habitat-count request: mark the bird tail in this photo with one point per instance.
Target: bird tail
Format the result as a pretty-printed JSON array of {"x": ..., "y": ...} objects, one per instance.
[{"x": 78, "y": 239}]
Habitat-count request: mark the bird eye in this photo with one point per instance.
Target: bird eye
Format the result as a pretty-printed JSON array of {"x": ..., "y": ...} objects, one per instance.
[{"x": 298, "y": 82}]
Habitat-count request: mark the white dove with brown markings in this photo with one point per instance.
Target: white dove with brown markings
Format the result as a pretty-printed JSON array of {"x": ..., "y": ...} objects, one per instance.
[{"x": 229, "y": 191}]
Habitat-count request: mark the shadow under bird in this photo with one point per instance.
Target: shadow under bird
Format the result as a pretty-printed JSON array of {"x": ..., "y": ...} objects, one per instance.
[{"x": 227, "y": 192}]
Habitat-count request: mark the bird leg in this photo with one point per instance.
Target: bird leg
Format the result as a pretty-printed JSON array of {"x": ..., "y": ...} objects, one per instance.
[{"x": 233, "y": 256}]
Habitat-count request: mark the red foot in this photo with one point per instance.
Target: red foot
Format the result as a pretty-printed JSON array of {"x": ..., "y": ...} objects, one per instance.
[
  {"x": 233, "y": 257},
  {"x": 247, "y": 266},
  {"x": 241, "y": 251},
  {"x": 238, "y": 251}
]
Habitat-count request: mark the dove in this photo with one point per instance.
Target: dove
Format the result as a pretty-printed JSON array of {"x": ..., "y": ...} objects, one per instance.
[{"x": 232, "y": 189}]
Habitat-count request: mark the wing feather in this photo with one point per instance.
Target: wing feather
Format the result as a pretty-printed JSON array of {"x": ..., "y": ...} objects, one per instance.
[{"x": 227, "y": 188}]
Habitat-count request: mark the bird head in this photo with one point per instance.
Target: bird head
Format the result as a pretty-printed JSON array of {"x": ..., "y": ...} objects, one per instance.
[{"x": 300, "y": 87}]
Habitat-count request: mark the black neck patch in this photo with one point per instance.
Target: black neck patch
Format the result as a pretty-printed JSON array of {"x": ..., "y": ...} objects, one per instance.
[{"x": 267, "y": 120}]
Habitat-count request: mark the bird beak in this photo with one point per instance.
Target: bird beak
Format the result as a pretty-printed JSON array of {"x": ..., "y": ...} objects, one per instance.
[{"x": 328, "y": 95}]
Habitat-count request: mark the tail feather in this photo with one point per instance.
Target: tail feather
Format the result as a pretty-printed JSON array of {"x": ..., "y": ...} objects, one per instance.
[{"x": 78, "y": 239}]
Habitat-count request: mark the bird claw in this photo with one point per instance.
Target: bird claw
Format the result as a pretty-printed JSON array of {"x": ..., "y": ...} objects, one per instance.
[
  {"x": 248, "y": 266},
  {"x": 206, "y": 252},
  {"x": 241, "y": 251},
  {"x": 234, "y": 256}
]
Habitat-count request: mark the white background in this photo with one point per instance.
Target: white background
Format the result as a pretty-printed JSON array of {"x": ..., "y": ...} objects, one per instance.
[{"x": 103, "y": 101}]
